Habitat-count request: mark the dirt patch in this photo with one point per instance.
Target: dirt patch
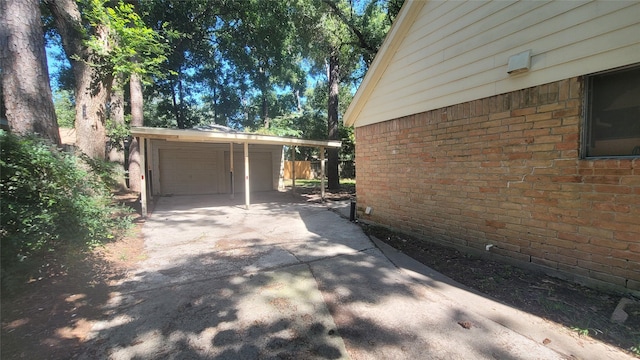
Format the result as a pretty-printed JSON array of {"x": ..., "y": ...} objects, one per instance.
[
  {"x": 313, "y": 192},
  {"x": 49, "y": 315},
  {"x": 581, "y": 309}
]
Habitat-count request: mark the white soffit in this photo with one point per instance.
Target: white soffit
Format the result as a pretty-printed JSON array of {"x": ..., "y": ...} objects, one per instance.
[
  {"x": 190, "y": 135},
  {"x": 404, "y": 20}
]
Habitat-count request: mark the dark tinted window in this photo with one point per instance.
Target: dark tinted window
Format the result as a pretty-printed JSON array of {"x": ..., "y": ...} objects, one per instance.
[{"x": 613, "y": 118}]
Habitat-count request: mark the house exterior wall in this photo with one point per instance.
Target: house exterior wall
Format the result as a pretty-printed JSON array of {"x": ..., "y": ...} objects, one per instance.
[
  {"x": 457, "y": 51},
  {"x": 505, "y": 170}
]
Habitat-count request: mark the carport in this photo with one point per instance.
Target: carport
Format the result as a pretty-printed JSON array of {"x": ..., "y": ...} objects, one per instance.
[{"x": 220, "y": 137}]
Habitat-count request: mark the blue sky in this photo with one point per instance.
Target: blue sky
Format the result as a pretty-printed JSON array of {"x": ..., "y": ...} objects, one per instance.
[{"x": 56, "y": 59}]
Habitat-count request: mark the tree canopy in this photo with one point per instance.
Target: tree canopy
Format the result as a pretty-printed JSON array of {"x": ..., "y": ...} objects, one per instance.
[{"x": 286, "y": 67}]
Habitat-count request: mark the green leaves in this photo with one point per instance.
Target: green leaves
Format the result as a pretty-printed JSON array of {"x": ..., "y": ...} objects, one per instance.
[
  {"x": 65, "y": 111},
  {"x": 117, "y": 133},
  {"x": 121, "y": 41},
  {"x": 48, "y": 197},
  {"x": 239, "y": 63}
]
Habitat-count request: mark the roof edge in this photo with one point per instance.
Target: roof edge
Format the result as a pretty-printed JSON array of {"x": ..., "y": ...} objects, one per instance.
[
  {"x": 408, "y": 13},
  {"x": 190, "y": 135}
]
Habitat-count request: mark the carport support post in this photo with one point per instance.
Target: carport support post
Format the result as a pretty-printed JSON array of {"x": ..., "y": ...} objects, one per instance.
[
  {"x": 233, "y": 195},
  {"x": 247, "y": 191},
  {"x": 293, "y": 169},
  {"x": 143, "y": 181},
  {"x": 322, "y": 173}
]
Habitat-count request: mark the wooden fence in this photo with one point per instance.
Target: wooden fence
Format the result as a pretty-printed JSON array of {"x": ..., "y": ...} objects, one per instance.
[{"x": 303, "y": 170}]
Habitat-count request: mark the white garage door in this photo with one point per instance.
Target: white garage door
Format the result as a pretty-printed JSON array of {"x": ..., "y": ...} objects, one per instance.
[
  {"x": 260, "y": 167},
  {"x": 188, "y": 172}
]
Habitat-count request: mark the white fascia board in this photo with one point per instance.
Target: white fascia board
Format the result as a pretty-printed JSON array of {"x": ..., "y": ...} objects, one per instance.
[
  {"x": 401, "y": 25},
  {"x": 188, "y": 135}
]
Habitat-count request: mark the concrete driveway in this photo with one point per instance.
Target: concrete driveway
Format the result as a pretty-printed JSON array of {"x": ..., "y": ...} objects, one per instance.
[{"x": 293, "y": 280}]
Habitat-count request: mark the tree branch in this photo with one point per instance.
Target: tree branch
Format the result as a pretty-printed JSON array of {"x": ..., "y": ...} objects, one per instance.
[
  {"x": 68, "y": 21},
  {"x": 362, "y": 41}
]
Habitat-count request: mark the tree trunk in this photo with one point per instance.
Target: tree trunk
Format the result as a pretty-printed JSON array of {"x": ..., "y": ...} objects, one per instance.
[
  {"x": 92, "y": 88},
  {"x": 116, "y": 115},
  {"x": 215, "y": 104},
  {"x": 296, "y": 93},
  {"x": 265, "y": 112},
  {"x": 177, "y": 101},
  {"x": 25, "y": 77},
  {"x": 181, "y": 108},
  {"x": 136, "y": 120},
  {"x": 333, "y": 178},
  {"x": 91, "y": 100}
]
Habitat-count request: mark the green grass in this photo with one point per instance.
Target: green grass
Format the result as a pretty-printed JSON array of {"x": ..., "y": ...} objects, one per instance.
[
  {"x": 580, "y": 331},
  {"x": 636, "y": 349}
]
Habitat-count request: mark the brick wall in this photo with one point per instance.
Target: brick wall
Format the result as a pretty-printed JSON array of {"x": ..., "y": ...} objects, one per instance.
[{"x": 505, "y": 170}]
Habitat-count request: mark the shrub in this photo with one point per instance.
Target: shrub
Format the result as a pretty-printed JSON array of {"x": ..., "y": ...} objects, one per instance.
[{"x": 49, "y": 198}]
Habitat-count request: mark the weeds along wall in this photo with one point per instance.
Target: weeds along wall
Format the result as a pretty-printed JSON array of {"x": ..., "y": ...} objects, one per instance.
[{"x": 506, "y": 170}]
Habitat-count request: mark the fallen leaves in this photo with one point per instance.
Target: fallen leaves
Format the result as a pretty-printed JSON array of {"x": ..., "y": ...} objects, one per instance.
[{"x": 466, "y": 324}]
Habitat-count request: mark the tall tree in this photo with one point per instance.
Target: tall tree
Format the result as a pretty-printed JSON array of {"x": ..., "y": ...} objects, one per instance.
[
  {"x": 332, "y": 53},
  {"x": 116, "y": 126},
  {"x": 139, "y": 58},
  {"x": 187, "y": 27},
  {"x": 347, "y": 36},
  {"x": 137, "y": 119},
  {"x": 26, "y": 92},
  {"x": 245, "y": 63},
  {"x": 333, "y": 74},
  {"x": 100, "y": 42},
  {"x": 92, "y": 84},
  {"x": 231, "y": 61},
  {"x": 260, "y": 39}
]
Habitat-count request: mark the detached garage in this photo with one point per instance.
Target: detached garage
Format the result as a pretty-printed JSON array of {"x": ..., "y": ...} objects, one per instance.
[
  {"x": 204, "y": 168},
  {"x": 211, "y": 161}
]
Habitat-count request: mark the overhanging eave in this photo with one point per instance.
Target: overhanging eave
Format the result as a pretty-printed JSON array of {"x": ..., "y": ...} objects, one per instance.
[{"x": 189, "y": 135}]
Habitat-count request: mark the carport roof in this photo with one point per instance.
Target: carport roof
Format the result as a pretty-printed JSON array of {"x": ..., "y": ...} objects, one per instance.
[
  {"x": 218, "y": 135},
  {"x": 193, "y": 135}
]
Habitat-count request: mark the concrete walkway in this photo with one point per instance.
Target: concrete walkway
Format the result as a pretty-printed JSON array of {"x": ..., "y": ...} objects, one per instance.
[{"x": 292, "y": 280}]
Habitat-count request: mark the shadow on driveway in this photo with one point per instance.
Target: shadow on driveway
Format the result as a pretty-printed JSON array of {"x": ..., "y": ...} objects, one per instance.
[{"x": 282, "y": 280}]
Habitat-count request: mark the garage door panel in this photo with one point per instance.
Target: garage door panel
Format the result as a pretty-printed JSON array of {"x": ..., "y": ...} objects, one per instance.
[
  {"x": 260, "y": 167},
  {"x": 261, "y": 172},
  {"x": 185, "y": 172}
]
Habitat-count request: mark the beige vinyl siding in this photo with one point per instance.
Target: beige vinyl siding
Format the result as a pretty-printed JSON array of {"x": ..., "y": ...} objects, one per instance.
[{"x": 458, "y": 51}]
